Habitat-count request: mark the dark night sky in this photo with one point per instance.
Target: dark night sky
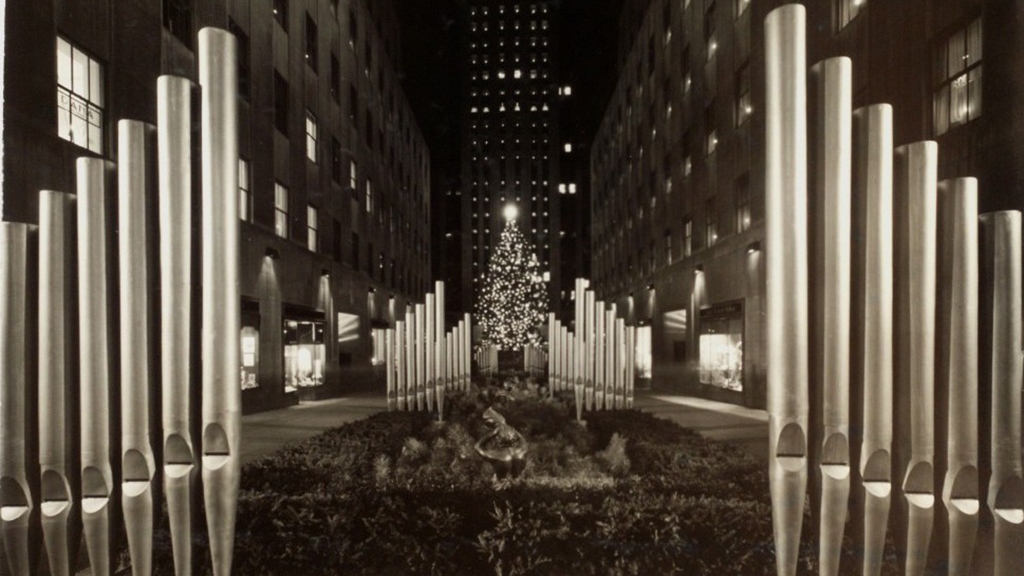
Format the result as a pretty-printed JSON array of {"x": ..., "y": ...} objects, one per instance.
[{"x": 432, "y": 52}]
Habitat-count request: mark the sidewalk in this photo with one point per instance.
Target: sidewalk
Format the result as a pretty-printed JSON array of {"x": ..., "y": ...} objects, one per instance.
[
  {"x": 267, "y": 432},
  {"x": 743, "y": 427}
]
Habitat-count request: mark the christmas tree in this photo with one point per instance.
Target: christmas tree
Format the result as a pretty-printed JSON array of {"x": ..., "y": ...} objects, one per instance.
[{"x": 513, "y": 295}]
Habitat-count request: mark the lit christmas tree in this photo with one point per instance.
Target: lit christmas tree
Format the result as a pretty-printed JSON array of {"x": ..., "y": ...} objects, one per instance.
[{"x": 513, "y": 296}]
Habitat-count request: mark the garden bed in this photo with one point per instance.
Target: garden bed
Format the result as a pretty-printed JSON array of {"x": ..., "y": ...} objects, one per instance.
[{"x": 398, "y": 493}]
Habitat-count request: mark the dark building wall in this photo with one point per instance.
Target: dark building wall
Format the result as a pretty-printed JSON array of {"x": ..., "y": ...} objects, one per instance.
[
  {"x": 366, "y": 112},
  {"x": 641, "y": 147}
]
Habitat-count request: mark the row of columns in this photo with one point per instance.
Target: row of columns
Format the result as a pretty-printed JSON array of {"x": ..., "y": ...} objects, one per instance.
[
  {"x": 914, "y": 316},
  {"x": 597, "y": 361},
  {"x": 67, "y": 221},
  {"x": 423, "y": 360}
]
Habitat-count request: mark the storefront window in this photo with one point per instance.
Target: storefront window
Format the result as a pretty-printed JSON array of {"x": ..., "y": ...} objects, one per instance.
[
  {"x": 644, "y": 360},
  {"x": 304, "y": 354},
  {"x": 250, "y": 346},
  {"x": 379, "y": 352},
  {"x": 721, "y": 346}
]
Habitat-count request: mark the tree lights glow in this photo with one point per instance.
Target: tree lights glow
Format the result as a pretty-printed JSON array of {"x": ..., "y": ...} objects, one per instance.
[{"x": 514, "y": 297}]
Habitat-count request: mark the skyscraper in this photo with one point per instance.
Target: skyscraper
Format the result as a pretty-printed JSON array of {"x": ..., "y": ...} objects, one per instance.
[{"x": 510, "y": 146}]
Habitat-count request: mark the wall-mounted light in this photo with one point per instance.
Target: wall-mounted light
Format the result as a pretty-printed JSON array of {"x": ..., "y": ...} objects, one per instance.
[
  {"x": 753, "y": 247},
  {"x": 273, "y": 254}
]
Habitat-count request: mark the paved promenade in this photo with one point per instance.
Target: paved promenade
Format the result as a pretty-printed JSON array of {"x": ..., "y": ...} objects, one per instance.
[{"x": 267, "y": 432}]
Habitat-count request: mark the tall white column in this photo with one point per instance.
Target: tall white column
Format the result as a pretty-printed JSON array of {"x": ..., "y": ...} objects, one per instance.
[
  {"x": 16, "y": 507},
  {"x": 830, "y": 314},
  {"x": 421, "y": 375},
  {"x": 222, "y": 395},
  {"x": 1001, "y": 373},
  {"x": 467, "y": 346},
  {"x": 137, "y": 461},
  {"x": 610, "y": 346},
  {"x": 430, "y": 349},
  {"x": 620, "y": 362},
  {"x": 410, "y": 358},
  {"x": 786, "y": 270},
  {"x": 627, "y": 400},
  {"x": 55, "y": 226},
  {"x": 600, "y": 368},
  {"x": 94, "y": 368},
  {"x": 174, "y": 158},
  {"x": 400, "y": 366},
  {"x": 957, "y": 365},
  {"x": 389, "y": 346},
  {"x": 589, "y": 306},
  {"x": 873, "y": 322},
  {"x": 914, "y": 232},
  {"x": 441, "y": 343}
]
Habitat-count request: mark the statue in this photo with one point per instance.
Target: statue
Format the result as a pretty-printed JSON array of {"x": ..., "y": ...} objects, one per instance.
[{"x": 504, "y": 447}]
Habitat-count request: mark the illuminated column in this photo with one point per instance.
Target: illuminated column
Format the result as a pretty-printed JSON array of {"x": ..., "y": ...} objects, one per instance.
[
  {"x": 914, "y": 232},
  {"x": 430, "y": 350},
  {"x": 609, "y": 347},
  {"x": 555, "y": 345},
  {"x": 400, "y": 366},
  {"x": 588, "y": 372},
  {"x": 54, "y": 274},
  {"x": 829, "y": 221},
  {"x": 630, "y": 367},
  {"x": 419, "y": 333},
  {"x": 1001, "y": 374},
  {"x": 467, "y": 347},
  {"x": 16, "y": 506},
  {"x": 564, "y": 360},
  {"x": 956, "y": 378},
  {"x": 449, "y": 352},
  {"x": 389, "y": 345},
  {"x": 786, "y": 269},
  {"x": 872, "y": 340},
  {"x": 410, "y": 358},
  {"x": 441, "y": 369},
  {"x": 599, "y": 353},
  {"x": 620, "y": 362},
  {"x": 222, "y": 396},
  {"x": 174, "y": 149},
  {"x": 97, "y": 478},
  {"x": 137, "y": 462}
]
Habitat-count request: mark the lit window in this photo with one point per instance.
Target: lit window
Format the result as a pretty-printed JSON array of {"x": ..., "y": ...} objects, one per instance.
[
  {"x": 957, "y": 77},
  {"x": 848, "y": 10},
  {"x": 687, "y": 237},
  {"x": 687, "y": 166},
  {"x": 79, "y": 97},
  {"x": 280, "y": 210},
  {"x": 710, "y": 224},
  {"x": 312, "y": 235},
  {"x": 353, "y": 182},
  {"x": 743, "y": 103},
  {"x": 743, "y": 203},
  {"x": 369, "y": 195},
  {"x": 244, "y": 191},
  {"x": 712, "y": 141},
  {"x": 572, "y": 188},
  {"x": 311, "y": 136},
  {"x": 568, "y": 147}
]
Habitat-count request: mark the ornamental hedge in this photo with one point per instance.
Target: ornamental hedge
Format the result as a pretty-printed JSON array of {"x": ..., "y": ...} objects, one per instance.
[{"x": 398, "y": 493}]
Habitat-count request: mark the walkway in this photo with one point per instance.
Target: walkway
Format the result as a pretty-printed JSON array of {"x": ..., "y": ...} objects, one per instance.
[
  {"x": 743, "y": 427},
  {"x": 266, "y": 432}
]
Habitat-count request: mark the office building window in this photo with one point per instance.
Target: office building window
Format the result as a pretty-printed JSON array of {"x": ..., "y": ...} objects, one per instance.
[
  {"x": 743, "y": 203},
  {"x": 311, "y": 136},
  {"x": 353, "y": 179},
  {"x": 369, "y": 196},
  {"x": 178, "y": 20},
  {"x": 312, "y": 228},
  {"x": 710, "y": 223},
  {"x": 709, "y": 126},
  {"x": 336, "y": 160},
  {"x": 79, "y": 97},
  {"x": 311, "y": 46},
  {"x": 280, "y": 210},
  {"x": 244, "y": 72},
  {"x": 957, "y": 78},
  {"x": 244, "y": 191},
  {"x": 280, "y": 104},
  {"x": 281, "y": 13},
  {"x": 710, "y": 28},
  {"x": 687, "y": 237},
  {"x": 744, "y": 107},
  {"x": 668, "y": 247},
  {"x": 848, "y": 10},
  {"x": 335, "y": 78}
]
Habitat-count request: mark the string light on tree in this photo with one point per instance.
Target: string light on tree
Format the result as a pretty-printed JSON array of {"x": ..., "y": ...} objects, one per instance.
[{"x": 513, "y": 299}]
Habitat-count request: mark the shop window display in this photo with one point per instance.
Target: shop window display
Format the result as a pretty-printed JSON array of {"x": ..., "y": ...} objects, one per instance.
[
  {"x": 721, "y": 346},
  {"x": 250, "y": 347},
  {"x": 304, "y": 354}
]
